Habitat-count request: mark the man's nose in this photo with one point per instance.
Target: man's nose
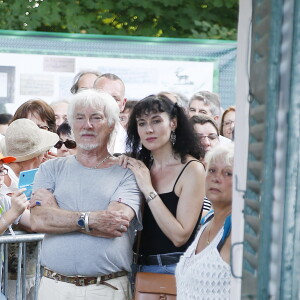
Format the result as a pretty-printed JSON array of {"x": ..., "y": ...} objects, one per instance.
[
  {"x": 206, "y": 140},
  {"x": 88, "y": 123}
]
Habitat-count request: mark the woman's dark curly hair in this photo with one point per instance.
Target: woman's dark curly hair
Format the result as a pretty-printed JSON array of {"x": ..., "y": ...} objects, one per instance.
[{"x": 186, "y": 141}]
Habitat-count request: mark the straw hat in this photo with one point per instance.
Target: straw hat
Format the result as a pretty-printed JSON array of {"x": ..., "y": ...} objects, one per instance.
[
  {"x": 7, "y": 159},
  {"x": 25, "y": 140}
]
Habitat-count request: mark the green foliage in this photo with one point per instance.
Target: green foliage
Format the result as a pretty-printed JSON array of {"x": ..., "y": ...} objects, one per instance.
[{"x": 215, "y": 19}]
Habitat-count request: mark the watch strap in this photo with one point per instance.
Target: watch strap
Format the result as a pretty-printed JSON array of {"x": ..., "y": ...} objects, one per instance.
[
  {"x": 151, "y": 196},
  {"x": 86, "y": 222}
]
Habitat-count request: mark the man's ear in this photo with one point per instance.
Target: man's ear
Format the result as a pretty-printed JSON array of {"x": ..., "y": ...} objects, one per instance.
[
  {"x": 123, "y": 106},
  {"x": 112, "y": 127},
  {"x": 216, "y": 118}
]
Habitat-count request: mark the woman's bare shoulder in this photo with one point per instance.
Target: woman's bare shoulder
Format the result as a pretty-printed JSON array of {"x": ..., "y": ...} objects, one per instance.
[{"x": 194, "y": 165}]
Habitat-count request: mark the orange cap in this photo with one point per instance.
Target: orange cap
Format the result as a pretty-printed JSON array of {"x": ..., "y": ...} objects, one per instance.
[{"x": 7, "y": 159}]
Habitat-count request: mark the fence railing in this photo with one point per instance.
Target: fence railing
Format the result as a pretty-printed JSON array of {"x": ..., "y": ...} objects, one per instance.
[{"x": 21, "y": 240}]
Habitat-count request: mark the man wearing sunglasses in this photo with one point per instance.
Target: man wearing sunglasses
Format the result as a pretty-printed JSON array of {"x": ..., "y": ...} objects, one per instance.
[{"x": 90, "y": 224}]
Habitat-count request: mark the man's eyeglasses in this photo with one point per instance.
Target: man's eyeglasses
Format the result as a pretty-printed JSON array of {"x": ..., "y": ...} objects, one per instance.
[
  {"x": 45, "y": 127},
  {"x": 228, "y": 123},
  {"x": 212, "y": 137},
  {"x": 70, "y": 144},
  {"x": 3, "y": 171}
]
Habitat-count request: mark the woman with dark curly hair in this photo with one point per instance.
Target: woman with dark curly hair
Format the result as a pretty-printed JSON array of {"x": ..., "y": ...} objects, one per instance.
[{"x": 163, "y": 161}]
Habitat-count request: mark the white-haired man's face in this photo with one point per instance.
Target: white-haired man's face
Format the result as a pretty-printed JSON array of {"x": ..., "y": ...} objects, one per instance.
[{"x": 90, "y": 128}]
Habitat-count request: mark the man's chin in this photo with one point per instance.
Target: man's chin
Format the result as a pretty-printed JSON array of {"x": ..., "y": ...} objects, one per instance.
[{"x": 88, "y": 146}]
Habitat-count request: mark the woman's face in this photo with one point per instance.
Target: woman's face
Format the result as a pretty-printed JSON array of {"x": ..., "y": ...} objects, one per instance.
[
  {"x": 207, "y": 135},
  {"x": 218, "y": 184},
  {"x": 64, "y": 151},
  {"x": 38, "y": 121},
  {"x": 155, "y": 130},
  {"x": 228, "y": 124}
]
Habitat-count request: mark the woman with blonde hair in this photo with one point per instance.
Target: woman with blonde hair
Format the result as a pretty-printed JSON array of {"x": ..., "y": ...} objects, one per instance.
[{"x": 204, "y": 271}]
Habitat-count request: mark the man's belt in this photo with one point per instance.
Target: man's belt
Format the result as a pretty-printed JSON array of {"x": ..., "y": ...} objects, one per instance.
[
  {"x": 82, "y": 280},
  {"x": 164, "y": 259}
]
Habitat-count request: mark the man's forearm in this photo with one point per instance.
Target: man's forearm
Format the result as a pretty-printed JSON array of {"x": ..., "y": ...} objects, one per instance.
[
  {"x": 104, "y": 223},
  {"x": 53, "y": 220}
]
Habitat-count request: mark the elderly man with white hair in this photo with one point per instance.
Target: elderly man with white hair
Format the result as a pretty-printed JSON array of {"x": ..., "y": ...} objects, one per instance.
[{"x": 89, "y": 208}]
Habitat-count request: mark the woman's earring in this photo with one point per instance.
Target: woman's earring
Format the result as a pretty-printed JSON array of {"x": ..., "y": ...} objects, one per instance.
[{"x": 173, "y": 137}]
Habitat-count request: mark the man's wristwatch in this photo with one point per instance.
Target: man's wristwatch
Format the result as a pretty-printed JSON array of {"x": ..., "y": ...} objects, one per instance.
[
  {"x": 151, "y": 196},
  {"x": 81, "y": 220},
  {"x": 86, "y": 222}
]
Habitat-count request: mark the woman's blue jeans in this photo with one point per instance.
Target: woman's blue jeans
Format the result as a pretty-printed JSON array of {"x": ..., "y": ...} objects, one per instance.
[{"x": 159, "y": 268}]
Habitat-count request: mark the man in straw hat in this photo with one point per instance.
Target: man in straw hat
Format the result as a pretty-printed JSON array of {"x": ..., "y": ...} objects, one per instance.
[{"x": 89, "y": 208}]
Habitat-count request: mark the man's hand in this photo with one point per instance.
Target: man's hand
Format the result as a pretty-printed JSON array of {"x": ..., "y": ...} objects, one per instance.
[
  {"x": 108, "y": 224},
  {"x": 42, "y": 197}
]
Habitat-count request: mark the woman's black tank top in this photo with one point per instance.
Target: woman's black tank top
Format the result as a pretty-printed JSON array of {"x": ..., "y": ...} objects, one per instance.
[{"x": 153, "y": 240}]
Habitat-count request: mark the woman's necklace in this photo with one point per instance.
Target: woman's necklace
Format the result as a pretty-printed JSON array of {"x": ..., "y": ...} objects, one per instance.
[
  {"x": 100, "y": 162},
  {"x": 210, "y": 227},
  {"x": 208, "y": 235}
]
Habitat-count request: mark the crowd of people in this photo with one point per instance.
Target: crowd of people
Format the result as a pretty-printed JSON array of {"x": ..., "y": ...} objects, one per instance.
[{"x": 121, "y": 187}]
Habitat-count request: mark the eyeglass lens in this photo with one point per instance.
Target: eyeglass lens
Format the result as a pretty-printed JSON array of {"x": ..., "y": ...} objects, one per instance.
[{"x": 68, "y": 143}]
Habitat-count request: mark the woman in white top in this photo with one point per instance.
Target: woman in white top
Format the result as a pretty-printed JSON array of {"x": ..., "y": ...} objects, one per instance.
[{"x": 203, "y": 271}]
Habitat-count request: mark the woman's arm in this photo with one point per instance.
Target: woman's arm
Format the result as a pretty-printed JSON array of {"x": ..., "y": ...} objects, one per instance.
[
  {"x": 178, "y": 229},
  {"x": 18, "y": 205},
  {"x": 225, "y": 251}
]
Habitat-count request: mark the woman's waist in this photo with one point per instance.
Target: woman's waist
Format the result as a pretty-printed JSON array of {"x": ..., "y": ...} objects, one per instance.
[{"x": 158, "y": 259}]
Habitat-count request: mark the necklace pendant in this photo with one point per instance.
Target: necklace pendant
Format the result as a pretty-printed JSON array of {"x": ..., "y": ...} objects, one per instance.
[{"x": 207, "y": 241}]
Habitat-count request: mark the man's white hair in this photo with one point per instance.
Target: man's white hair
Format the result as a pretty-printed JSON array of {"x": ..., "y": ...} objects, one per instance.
[{"x": 97, "y": 100}]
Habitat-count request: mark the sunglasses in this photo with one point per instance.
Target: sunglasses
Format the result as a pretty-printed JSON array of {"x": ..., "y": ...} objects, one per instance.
[{"x": 70, "y": 144}]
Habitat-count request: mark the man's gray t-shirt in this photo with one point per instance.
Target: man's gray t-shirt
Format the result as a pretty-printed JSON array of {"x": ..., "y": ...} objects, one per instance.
[{"x": 77, "y": 188}]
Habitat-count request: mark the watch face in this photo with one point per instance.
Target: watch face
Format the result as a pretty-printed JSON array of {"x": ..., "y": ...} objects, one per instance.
[{"x": 80, "y": 222}]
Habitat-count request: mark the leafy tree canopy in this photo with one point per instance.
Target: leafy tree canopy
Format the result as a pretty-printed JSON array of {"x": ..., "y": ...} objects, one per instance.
[{"x": 213, "y": 19}]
